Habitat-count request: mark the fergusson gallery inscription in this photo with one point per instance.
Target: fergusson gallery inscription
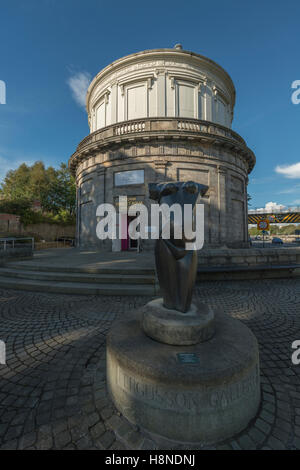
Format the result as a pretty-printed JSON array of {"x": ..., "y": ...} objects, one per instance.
[{"x": 190, "y": 401}]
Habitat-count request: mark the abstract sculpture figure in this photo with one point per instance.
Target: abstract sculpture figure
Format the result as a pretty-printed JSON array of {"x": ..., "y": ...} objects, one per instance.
[{"x": 176, "y": 267}]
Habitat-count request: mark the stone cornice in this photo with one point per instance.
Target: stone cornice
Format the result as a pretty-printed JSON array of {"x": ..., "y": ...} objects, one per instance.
[{"x": 153, "y": 130}]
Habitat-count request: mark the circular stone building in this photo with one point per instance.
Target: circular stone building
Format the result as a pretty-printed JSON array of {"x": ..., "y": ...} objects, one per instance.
[{"x": 162, "y": 115}]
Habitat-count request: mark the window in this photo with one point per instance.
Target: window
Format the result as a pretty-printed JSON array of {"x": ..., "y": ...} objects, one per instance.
[
  {"x": 186, "y": 100},
  {"x": 100, "y": 115},
  {"x": 221, "y": 113},
  {"x": 136, "y": 102},
  {"x": 123, "y": 178}
]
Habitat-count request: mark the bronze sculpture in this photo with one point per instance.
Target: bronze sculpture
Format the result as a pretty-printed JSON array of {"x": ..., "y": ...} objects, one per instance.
[{"x": 175, "y": 265}]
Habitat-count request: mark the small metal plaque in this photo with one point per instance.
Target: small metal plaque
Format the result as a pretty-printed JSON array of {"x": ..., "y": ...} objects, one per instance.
[{"x": 187, "y": 358}]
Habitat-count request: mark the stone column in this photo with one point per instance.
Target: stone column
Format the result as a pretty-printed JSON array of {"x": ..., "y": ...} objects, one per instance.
[
  {"x": 78, "y": 218},
  {"x": 246, "y": 181},
  {"x": 100, "y": 186},
  {"x": 114, "y": 91},
  {"x": 100, "y": 198},
  {"x": 214, "y": 206},
  {"x": 222, "y": 203},
  {"x": 161, "y": 93},
  {"x": 161, "y": 170}
]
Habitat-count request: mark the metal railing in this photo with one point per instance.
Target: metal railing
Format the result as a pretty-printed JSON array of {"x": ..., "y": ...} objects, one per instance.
[{"x": 12, "y": 242}]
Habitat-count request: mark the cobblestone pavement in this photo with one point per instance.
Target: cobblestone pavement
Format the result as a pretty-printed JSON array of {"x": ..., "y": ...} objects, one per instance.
[{"x": 53, "y": 391}]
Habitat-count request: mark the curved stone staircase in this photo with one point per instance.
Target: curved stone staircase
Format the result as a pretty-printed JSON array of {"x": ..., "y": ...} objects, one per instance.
[{"x": 78, "y": 280}]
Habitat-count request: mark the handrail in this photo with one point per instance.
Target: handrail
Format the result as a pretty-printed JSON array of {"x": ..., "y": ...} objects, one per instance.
[{"x": 14, "y": 241}]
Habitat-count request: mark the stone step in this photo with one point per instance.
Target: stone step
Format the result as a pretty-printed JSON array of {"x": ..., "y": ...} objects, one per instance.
[
  {"x": 76, "y": 288},
  {"x": 239, "y": 273},
  {"x": 84, "y": 269},
  {"x": 78, "y": 277}
]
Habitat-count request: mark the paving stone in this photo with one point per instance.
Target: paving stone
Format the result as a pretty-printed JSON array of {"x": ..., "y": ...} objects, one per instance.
[
  {"x": 266, "y": 416},
  {"x": 235, "y": 445},
  {"x": 280, "y": 434},
  {"x": 62, "y": 439},
  {"x": 10, "y": 445},
  {"x": 257, "y": 435},
  {"x": 12, "y": 433},
  {"x": 97, "y": 430},
  {"x": 71, "y": 400},
  {"x": 27, "y": 440},
  {"x": 53, "y": 395},
  {"x": 123, "y": 429},
  {"x": 114, "y": 422},
  {"x": 224, "y": 447},
  {"x": 45, "y": 444},
  {"x": 77, "y": 433},
  {"x": 296, "y": 442},
  {"x": 134, "y": 440},
  {"x": 107, "y": 439},
  {"x": 246, "y": 442},
  {"x": 84, "y": 443},
  {"x": 107, "y": 412},
  {"x": 275, "y": 443},
  {"x": 147, "y": 444},
  {"x": 117, "y": 446}
]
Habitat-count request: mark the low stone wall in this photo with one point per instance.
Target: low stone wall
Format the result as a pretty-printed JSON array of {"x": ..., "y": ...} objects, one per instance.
[
  {"x": 48, "y": 232},
  {"x": 48, "y": 245},
  {"x": 249, "y": 257},
  {"x": 9, "y": 225}
]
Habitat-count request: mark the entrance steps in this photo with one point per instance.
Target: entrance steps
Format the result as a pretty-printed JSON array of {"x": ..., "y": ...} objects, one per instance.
[{"x": 79, "y": 280}]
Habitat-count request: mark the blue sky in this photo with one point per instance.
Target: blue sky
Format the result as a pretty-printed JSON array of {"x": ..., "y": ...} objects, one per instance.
[{"x": 48, "y": 45}]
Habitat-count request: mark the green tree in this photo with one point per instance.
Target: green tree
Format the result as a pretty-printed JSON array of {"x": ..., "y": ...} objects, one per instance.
[
  {"x": 54, "y": 188},
  {"x": 20, "y": 206},
  {"x": 29, "y": 182},
  {"x": 61, "y": 195},
  {"x": 16, "y": 183}
]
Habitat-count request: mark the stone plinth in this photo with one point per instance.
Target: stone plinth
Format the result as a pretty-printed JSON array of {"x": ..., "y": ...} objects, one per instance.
[
  {"x": 173, "y": 327},
  {"x": 203, "y": 393}
]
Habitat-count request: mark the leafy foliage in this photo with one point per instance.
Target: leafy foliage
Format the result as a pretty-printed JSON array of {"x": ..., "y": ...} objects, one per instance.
[
  {"x": 61, "y": 193},
  {"x": 54, "y": 189}
]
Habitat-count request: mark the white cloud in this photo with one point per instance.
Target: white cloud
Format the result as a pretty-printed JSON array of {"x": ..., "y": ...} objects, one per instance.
[
  {"x": 271, "y": 206},
  {"x": 78, "y": 84},
  {"x": 289, "y": 171}
]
